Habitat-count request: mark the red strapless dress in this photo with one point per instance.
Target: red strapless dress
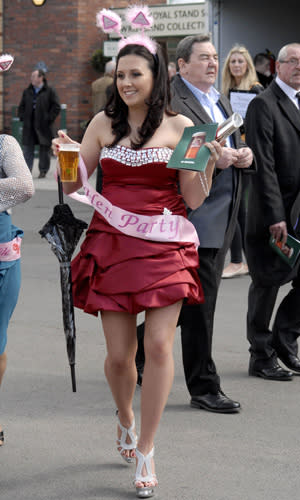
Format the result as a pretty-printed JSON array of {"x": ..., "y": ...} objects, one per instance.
[{"x": 116, "y": 272}]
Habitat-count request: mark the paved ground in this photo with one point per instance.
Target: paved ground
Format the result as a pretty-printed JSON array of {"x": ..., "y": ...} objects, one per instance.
[{"x": 60, "y": 445}]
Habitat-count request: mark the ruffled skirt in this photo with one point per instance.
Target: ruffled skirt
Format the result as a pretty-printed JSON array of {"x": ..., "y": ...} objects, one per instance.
[{"x": 116, "y": 272}]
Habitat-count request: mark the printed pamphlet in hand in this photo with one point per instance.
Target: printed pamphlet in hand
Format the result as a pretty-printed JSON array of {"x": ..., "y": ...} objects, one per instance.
[
  {"x": 189, "y": 153},
  {"x": 288, "y": 252}
]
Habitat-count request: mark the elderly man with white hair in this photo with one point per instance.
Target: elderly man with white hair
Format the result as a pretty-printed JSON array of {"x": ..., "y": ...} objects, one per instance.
[{"x": 273, "y": 133}]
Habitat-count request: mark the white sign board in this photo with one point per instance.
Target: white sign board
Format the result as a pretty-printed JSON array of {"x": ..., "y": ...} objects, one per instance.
[
  {"x": 110, "y": 49},
  {"x": 240, "y": 101},
  {"x": 172, "y": 20}
]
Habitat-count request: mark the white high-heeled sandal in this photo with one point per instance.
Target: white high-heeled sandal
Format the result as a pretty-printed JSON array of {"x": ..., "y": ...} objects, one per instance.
[
  {"x": 121, "y": 443},
  {"x": 142, "y": 460}
]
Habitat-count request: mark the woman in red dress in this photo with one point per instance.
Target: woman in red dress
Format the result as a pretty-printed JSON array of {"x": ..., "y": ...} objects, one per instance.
[{"x": 119, "y": 275}]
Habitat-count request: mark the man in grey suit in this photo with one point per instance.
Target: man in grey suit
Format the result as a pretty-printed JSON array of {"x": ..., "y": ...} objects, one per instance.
[
  {"x": 194, "y": 96},
  {"x": 273, "y": 132}
]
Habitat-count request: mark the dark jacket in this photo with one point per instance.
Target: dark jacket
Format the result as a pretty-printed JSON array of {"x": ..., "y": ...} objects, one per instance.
[
  {"x": 42, "y": 119},
  {"x": 273, "y": 132},
  {"x": 215, "y": 219},
  {"x": 264, "y": 80}
]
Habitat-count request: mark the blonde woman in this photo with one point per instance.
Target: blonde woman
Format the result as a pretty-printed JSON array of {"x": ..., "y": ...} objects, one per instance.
[{"x": 239, "y": 74}]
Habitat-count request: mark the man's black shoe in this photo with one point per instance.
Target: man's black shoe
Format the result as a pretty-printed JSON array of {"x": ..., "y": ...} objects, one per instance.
[
  {"x": 291, "y": 361},
  {"x": 275, "y": 372},
  {"x": 42, "y": 175},
  {"x": 218, "y": 403}
]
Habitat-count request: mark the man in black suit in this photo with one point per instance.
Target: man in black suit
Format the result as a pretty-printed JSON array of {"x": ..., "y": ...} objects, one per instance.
[
  {"x": 194, "y": 96},
  {"x": 273, "y": 132}
]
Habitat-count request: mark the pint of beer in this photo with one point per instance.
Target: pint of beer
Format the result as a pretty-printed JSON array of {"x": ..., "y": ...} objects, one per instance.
[{"x": 68, "y": 161}]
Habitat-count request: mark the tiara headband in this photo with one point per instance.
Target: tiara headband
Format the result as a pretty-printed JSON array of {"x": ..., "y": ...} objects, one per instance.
[
  {"x": 138, "y": 16},
  {"x": 6, "y": 61}
]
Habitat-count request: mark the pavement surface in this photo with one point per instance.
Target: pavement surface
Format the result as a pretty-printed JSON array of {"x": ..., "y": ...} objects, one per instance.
[{"x": 60, "y": 445}]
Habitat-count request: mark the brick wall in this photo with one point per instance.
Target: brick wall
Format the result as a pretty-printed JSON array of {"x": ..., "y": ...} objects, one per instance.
[{"x": 64, "y": 35}]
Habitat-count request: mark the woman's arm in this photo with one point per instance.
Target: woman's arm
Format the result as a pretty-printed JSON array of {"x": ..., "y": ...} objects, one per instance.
[
  {"x": 195, "y": 186},
  {"x": 16, "y": 185}
]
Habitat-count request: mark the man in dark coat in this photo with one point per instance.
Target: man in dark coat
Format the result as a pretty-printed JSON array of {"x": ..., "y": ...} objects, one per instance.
[
  {"x": 262, "y": 65},
  {"x": 38, "y": 110},
  {"x": 273, "y": 132},
  {"x": 194, "y": 96}
]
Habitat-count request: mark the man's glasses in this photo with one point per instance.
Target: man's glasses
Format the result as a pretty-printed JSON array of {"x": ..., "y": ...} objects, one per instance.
[{"x": 293, "y": 61}]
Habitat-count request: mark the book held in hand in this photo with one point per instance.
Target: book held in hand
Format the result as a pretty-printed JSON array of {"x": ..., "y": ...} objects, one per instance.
[
  {"x": 190, "y": 154},
  {"x": 288, "y": 252}
]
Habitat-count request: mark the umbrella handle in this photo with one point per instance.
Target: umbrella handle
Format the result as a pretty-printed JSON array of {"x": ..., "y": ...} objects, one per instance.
[
  {"x": 59, "y": 183},
  {"x": 60, "y": 191},
  {"x": 73, "y": 377}
]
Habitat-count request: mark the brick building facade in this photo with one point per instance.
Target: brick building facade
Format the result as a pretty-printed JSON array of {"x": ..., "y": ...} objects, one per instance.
[{"x": 63, "y": 35}]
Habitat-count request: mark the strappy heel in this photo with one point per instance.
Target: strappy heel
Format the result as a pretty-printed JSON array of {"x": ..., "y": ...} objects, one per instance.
[
  {"x": 142, "y": 460},
  {"x": 122, "y": 441},
  {"x": 2, "y": 438}
]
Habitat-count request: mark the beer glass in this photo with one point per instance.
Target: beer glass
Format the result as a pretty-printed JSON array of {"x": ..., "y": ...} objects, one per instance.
[{"x": 68, "y": 157}]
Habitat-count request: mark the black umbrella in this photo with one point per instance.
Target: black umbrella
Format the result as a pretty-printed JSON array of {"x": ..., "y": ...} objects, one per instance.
[{"x": 63, "y": 232}]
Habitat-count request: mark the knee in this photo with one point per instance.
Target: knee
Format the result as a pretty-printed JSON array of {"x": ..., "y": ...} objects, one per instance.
[
  {"x": 158, "y": 350},
  {"x": 119, "y": 363}
]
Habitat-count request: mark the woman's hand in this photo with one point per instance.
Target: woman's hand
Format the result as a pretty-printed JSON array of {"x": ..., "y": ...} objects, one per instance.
[
  {"x": 195, "y": 186},
  {"x": 216, "y": 151},
  {"x": 61, "y": 139}
]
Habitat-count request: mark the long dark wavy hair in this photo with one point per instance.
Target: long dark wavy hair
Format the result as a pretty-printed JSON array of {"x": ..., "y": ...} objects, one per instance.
[{"x": 158, "y": 102}]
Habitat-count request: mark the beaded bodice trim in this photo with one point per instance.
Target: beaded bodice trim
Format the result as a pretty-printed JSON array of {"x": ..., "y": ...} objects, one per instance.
[{"x": 136, "y": 158}]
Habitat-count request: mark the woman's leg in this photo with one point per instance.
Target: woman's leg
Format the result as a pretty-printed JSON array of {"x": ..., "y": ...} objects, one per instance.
[
  {"x": 237, "y": 246},
  {"x": 236, "y": 266},
  {"x": 120, "y": 334},
  {"x": 2, "y": 371},
  {"x": 160, "y": 326},
  {"x": 10, "y": 282},
  {"x": 3, "y": 361}
]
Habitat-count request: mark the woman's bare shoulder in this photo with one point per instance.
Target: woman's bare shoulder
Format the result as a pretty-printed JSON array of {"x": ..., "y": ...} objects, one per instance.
[
  {"x": 174, "y": 127},
  {"x": 101, "y": 126},
  {"x": 179, "y": 122},
  {"x": 101, "y": 119}
]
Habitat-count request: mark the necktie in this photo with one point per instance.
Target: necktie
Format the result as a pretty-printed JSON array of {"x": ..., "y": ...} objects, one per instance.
[{"x": 298, "y": 97}]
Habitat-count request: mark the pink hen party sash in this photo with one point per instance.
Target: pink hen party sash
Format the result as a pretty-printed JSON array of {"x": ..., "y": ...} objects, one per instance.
[
  {"x": 165, "y": 227},
  {"x": 10, "y": 250}
]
